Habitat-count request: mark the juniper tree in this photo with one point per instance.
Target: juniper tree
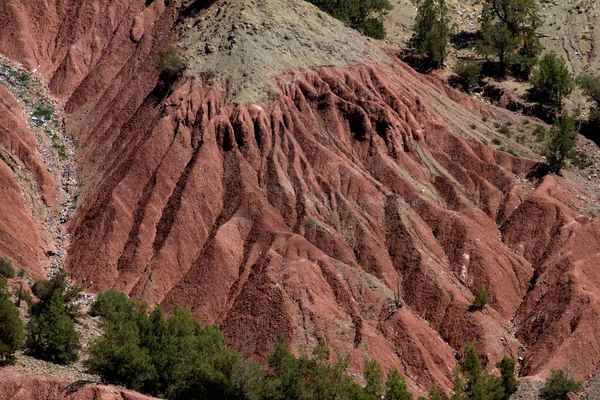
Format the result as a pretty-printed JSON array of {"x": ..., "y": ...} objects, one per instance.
[
  {"x": 11, "y": 327},
  {"x": 552, "y": 80},
  {"x": 431, "y": 30},
  {"x": 508, "y": 31}
]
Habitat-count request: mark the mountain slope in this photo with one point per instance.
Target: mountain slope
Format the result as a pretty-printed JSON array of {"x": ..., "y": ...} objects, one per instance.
[{"x": 310, "y": 213}]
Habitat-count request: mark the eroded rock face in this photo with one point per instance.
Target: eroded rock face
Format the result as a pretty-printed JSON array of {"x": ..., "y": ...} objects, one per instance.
[
  {"x": 23, "y": 177},
  {"x": 19, "y": 385},
  {"x": 317, "y": 213},
  {"x": 304, "y": 215}
]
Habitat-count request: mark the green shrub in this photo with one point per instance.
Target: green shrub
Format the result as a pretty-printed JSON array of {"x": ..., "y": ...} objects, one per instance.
[
  {"x": 481, "y": 298},
  {"x": 111, "y": 305},
  {"x": 24, "y": 79},
  {"x": 169, "y": 62},
  {"x": 373, "y": 379},
  {"x": 473, "y": 126},
  {"x": 563, "y": 137},
  {"x": 472, "y": 382},
  {"x": 51, "y": 334},
  {"x": 580, "y": 159},
  {"x": 540, "y": 133},
  {"x": 558, "y": 386},
  {"x": 496, "y": 125},
  {"x": 12, "y": 332},
  {"x": 507, "y": 372},
  {"x": 6, "y": 268},
  {"x": 396, "y": 388},
  {"x": 484, "y": 119},
  {"x": 43, "y": 111},
  {"x": 469, "y": 70},
  {"x": 496, "y": 141},
  {"x": 505, "y": 130}
]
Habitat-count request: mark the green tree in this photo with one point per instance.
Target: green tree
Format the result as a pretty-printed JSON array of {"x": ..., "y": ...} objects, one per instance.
[
  {"x": 459, "y": 391},
  {"x": 481, "y": 298},
  {"x": 563, "y": 137},
  {"x": 366, "y": 16},
  {"x": 471, "y": 382},
  {"x": 471, "y": 365},
  {"x": 487, "y": 387},
  {"x": 497, "y": 40},
  {"x": 591, "y": 87},
  {"x": 51, "y": 333},
  {"x": 12, "y": 332},
  {"x": 287, "y": 370},
  {"x": 559, "y": 385},
  {"x": 432, "y": 29},
  {"x": 396, "y": 388},
  {"x": 552, "y": 80},
  {"x": 469, "y": 70},
  {"x": 508, "y": 31},
  {"x": 119, "y": 356},
  {"x": 374, "y": 379},
  {"x": 507, "y": 372},
  {"x": 434, "y": 394},
  {"x": 112, "y": 305}
]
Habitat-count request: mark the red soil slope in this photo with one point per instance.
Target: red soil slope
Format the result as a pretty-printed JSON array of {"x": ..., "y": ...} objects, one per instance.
[
  {"x": 305, "y": 215},
  {"x": 23, "y": 176},
  {"x": 17, "y": 385}
]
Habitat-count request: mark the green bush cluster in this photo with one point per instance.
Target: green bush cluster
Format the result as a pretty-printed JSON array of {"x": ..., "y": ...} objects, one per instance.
[
  {"x": 51, "y": 333},
  {"x": 559, "y": 385},
  {"x": 469, "y": 70},
  {"x": 12, "y": 332},
  {"x": 481, "y": 299},
  {"x": 177, "y": 358},
  {"x": 471, "y": 382},
  {"x": 366, "y": 16},
  {"x": 6, "y": 268}
]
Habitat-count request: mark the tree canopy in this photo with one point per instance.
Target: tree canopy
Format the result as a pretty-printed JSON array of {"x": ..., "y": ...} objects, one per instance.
[
  {"x": 431, "y": 31},
  {"x": 552, "y": 80},
  {"x": 366, "y": 16},
  {"x": 563, "y": 137},
  {"x": 51, "y": 333},
  {"x": 508, "y": 32}
]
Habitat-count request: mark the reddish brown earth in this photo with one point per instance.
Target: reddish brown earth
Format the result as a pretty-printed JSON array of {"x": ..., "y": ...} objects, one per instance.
[
  {"x": 302, "y": 216},
  {"x": 21, "y": 172},
  {"x": 18, "y": 385}
]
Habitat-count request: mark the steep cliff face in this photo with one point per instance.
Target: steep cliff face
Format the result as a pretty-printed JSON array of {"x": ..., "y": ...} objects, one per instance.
[{"x": 360, "y": 205}]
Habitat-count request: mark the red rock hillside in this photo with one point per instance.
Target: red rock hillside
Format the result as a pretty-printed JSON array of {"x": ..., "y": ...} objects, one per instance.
[
  {"x": 16, "y": 385},
  {"x": 309, "y": 213}
]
